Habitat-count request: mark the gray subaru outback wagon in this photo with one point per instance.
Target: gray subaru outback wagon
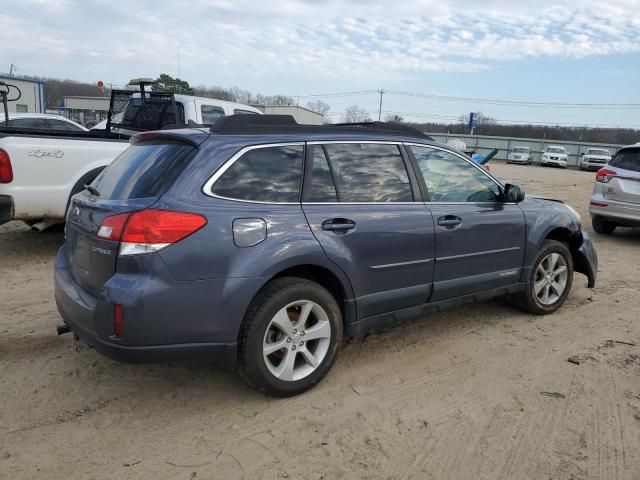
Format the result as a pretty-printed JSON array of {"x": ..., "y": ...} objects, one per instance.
[{"x": 260, "y": 244}]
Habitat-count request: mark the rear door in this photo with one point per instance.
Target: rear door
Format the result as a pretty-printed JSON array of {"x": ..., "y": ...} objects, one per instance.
[
  {"x": 359, "y": 201},
  {"x": 625, "y": 186},
  {"x": 480, "y": 240},
  {"x": 135, "y": 180}
]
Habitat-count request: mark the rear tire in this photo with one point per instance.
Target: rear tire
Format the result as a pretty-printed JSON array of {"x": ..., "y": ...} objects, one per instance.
[
  {"x": 290, "y": 337},
  {"x": 602, "y": 226},
  {"x": 550, "y": 280}
]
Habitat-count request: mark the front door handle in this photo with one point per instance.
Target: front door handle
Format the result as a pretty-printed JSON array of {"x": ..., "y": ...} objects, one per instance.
[
  {"x": 449, "y": 221},
  {"x": 338, "y": 224}
]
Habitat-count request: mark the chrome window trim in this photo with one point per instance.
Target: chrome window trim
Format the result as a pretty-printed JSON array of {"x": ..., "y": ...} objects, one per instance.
[
  {"x": 466, "y": 159},
  {"x": 206, "y": 189}
]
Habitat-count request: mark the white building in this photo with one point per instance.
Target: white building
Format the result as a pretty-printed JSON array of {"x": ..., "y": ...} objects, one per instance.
[
  {"x": 302, "y": 115},
  {"x": 32, "y": 99},
  {"x": 86, "y": 111}
]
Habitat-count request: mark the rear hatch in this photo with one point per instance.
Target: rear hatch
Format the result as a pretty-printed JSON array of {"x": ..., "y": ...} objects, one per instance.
[
  {"x": 625, "y": 185},
  {"x": 134, "y": 181}
]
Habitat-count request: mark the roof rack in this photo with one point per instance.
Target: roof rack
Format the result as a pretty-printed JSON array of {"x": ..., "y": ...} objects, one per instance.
[{"x": 283, "y": 124}]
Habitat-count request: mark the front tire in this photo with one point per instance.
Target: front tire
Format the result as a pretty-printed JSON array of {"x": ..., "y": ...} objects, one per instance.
[
  {"x": 290, "y": 337},
  {"x": 550, "y": 281},
  {"x": 602, "y": 226}
]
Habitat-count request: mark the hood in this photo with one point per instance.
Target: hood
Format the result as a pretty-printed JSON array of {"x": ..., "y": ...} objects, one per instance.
[{"x": 542, "y": 197}]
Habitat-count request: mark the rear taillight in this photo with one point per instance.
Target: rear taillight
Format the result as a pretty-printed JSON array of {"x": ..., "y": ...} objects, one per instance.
[
  {"x": 604, "y": 176},
  {"x": 150, "y": 230},
  {"x": 112, "y": 227},
  {"x": 6, "y": 172}
]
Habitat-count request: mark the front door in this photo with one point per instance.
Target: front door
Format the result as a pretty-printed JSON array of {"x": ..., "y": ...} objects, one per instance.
[
  {"x": 480, "y": 239},
  {"x": 359, "y": 201}
]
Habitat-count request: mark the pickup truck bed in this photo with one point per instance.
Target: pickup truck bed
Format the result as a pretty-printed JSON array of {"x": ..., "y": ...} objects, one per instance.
[{"x": 48, "y": 167}]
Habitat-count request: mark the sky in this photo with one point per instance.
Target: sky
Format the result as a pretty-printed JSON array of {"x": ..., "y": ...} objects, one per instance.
[{"x": 484, "y": 54}]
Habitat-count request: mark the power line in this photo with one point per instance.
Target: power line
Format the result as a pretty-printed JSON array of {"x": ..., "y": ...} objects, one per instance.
[
  {"x": 488, "y": 101},
  {"x": 594, "y": 106}
]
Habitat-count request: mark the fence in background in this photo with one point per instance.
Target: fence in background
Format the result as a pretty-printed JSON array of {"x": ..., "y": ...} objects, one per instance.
[{"x": 484, "y": 144}]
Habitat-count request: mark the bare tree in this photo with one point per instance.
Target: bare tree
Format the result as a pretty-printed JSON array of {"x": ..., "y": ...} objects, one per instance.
[
  {"x": 355, "y": 114},
  {"x": 319, "y": 106},
  {"x": 393, "y": 118}
]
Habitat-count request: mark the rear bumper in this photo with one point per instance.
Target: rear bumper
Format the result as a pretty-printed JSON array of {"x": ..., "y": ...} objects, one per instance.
[
  {"x": 91, "y": 319},
  {"x": 6, "y": 208},
  {"x": 621, "y": 213}
]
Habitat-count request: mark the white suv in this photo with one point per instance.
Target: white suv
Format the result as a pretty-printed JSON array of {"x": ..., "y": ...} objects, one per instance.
[
  {"x": 595, "y": 158},
  {"x": 554, "y": 155},
  {"x": 519, "y": 155}
]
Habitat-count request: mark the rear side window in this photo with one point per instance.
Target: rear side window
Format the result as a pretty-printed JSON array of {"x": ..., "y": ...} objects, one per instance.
[
  {"x": 369, "y": 172},
  {"x": 269, "y": 174},
  {"x": 211, "y": 113},
  {"x": 322, "y": 187},
  {"x": 143, "y": 170},
  {"x": 627, "y": 159}
]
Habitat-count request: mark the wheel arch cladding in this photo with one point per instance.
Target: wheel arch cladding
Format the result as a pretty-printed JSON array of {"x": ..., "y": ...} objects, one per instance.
[{"x": 574, "y": 241}]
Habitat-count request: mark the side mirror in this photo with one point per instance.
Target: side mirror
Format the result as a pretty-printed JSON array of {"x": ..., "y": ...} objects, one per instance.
[{"x": 513, "y": 193}]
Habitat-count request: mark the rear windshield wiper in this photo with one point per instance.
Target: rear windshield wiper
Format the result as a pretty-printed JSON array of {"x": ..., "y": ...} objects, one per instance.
[{"x": 91, "y": 190}]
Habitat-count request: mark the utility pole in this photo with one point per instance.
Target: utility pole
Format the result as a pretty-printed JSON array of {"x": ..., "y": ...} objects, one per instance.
[
  {"x": 11, "y": 69},
  {"x": 381, "y": 92},
  {"x": 179, "y": 75}
]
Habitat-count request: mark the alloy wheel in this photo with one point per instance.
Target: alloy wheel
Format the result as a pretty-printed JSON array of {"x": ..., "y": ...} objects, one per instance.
[
  {"x": 296, "y": 340},
  {"x": 551, "y": 279}
]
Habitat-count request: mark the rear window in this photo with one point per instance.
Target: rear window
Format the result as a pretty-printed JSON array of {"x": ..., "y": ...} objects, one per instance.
[
  {"x": 143, "y": 170},
  {"x": 627, "y": 159}
]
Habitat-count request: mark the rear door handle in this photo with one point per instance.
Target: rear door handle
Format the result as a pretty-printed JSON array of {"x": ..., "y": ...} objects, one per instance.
[
  {"x": 449, "y": 221},
  {"x": 338, "y": 224}
]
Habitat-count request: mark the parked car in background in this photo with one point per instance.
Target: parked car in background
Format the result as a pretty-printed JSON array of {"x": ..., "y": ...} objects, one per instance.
[
  {"x": 554, "y": 155},
  {"x": 215, "y": 244},
  {"x": 616, "y": 193},
  {"x": 519, "y": 155},
  {"x": 42, "y": 121},
  {"x": 595, "y": 158}
]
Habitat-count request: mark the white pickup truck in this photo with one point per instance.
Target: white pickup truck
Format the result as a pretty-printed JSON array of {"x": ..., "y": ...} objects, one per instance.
[{"x": 41, "y": 169}]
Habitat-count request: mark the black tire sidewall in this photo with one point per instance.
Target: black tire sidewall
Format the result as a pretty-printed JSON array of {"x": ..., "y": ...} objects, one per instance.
[{"x": 267, "y": 303}]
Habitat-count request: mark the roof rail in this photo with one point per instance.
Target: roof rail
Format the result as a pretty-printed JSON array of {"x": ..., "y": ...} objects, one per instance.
[{"x": 254, "y": 124}]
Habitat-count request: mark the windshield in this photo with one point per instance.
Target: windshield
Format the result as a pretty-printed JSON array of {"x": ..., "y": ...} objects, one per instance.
[
  {"x": 594, "y": 151},
  {"x": 555, "y": 150},
  {"x": 520, "y": 150},
  {"x": 628, "y": 159}
]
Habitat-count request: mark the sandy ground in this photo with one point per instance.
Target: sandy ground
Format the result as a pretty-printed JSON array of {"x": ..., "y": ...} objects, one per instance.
[{"x": 454, "y": 395}]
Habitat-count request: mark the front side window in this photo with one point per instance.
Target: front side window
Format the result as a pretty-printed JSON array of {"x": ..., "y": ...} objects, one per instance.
[
  {"x": 269, "y": 174},
  {"x": 450, "y": 178},
  {"x": 211, "y": 113},
  {"x": 368, "y": 172}
]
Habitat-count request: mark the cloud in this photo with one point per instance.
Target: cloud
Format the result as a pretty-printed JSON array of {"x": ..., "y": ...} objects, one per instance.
[{"x": 226, "y": 40}]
